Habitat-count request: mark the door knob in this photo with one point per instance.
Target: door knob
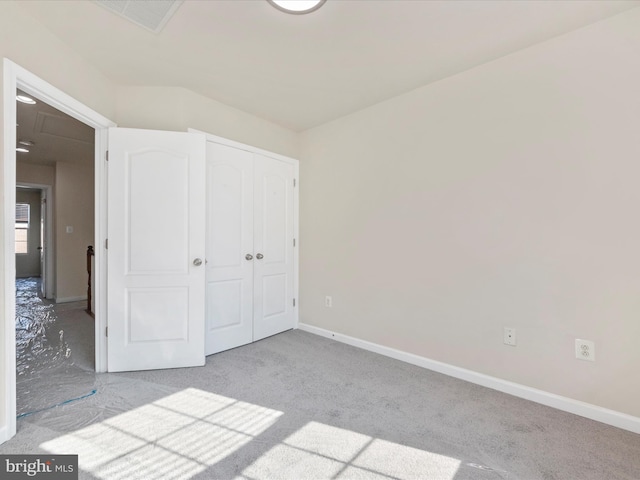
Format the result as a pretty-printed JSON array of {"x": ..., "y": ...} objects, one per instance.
[
  {"x": 248, "y": 256},
  {"x": 259, "y": 256},
  {"x": 197, "y": 262}
]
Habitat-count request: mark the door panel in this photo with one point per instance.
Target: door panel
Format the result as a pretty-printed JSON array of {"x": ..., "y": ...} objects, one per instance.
[
  {"x": 156, "y": 314},
  {"x": 273, "y": 239},
  {"x": 274, "y": 295},
  {"x": 156, "y": 230},
  {"x": 224, "y": 302},
  {"x": 273, "y": 206},
  {"x": 229, "y": 240},
  {"x": 157, "y": 214}
]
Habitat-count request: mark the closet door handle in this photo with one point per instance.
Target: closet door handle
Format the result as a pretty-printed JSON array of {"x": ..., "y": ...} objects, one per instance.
[
  {"x": 259, "y": 256},
  {"x": 248, "y": 256},
  {"x": 197, "y": 262}
]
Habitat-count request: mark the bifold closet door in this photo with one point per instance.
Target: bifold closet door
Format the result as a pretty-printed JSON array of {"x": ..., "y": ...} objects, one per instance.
[
  {"x": 250, "y": 256},
  {"x": 273, "y": 232},
  {"x": 229, "y": 238}
]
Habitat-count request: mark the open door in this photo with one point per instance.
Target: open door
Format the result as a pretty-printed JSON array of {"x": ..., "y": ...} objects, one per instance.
[
  {"x": 156, "y": 246},
  {"x": 43, "y": 247}
]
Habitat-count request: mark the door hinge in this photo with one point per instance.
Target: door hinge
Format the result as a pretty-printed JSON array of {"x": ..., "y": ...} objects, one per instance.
[
  {"x": 294, "y": 182},
  {"x": 106, "y": 332},
  {"x": 294, "y": 242},
  {"x": 294, "y": 302},
  {"x": 106, "y": 155},
  {"x": 106, "y": 244}
]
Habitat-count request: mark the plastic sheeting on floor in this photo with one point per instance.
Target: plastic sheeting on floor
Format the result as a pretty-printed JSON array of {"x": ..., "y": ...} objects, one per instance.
[{"x": 54, "y": 350}]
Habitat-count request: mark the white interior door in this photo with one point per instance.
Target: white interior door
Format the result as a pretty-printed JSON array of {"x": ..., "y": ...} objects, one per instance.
[
  {"x": 230, "y": 255},
  {"x": 273, "y": 310},
  {"x": 156, "y": 223},
  {"x": 43, "y": 246}
]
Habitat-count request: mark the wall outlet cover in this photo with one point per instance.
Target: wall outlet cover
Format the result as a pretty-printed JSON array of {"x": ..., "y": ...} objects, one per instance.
[
  {"x": 585, "y": 350},
  {"x": 509, "y": 336}
]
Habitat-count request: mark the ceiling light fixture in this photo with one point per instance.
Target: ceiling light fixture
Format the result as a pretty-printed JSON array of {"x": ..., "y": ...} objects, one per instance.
[
  {"x": 25, "y": 99},
  {"x": 22, "y": 150},
  {"x": 297, "y": 7}
]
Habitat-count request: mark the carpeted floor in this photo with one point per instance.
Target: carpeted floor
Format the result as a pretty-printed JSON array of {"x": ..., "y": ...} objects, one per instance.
[{"x": 298, "y": 406}]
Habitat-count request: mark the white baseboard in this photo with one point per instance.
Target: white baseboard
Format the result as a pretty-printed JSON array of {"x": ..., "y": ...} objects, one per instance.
[
  {"x": 70, "y": 299},
  {"x": 587, "y": 410}
]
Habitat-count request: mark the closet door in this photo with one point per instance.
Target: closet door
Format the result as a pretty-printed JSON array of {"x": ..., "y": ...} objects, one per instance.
[
  {"x": 229, "y": 248},
  {"x": 273, "y": 309}
]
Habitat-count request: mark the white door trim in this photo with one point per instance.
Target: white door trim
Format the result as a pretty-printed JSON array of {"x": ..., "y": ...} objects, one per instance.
[
  {"x": 15, "y": 77},
  {"x": 49, "y": 258}
]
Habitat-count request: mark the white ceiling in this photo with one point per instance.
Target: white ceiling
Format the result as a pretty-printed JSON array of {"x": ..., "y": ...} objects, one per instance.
[
  {"x": 57, "y": 137},
  {"x": 303, "y": 70}
]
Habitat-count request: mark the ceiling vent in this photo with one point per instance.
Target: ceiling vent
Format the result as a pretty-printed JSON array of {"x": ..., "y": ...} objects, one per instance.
[{"x": 150, "y": 14}]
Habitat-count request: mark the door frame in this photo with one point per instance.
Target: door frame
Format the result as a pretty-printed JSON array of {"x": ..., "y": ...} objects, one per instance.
[
  {"x": 48, "y": 263},
  {"x": 14, "y": 77}
]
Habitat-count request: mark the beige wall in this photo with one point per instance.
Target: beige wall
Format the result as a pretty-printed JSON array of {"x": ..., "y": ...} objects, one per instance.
[
  {"x": 38, "y": 174},
  {"x": 74, "y": 207},
  {"x": 25, "y": 42},
  {"x": 174, "y": 108},
  {"x": 503, "y": 196}
]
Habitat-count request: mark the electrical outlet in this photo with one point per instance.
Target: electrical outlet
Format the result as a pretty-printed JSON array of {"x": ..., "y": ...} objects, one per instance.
[
  {"x": 510, "y": 336},
  {"x": 328, "y": 301},
  {"x": 585, "y": 350}
]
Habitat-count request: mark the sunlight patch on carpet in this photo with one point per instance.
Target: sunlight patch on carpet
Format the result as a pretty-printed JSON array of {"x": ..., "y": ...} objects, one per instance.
[
  {"x": 342, "y": 454},
  {"x": 175, "y": 437}
]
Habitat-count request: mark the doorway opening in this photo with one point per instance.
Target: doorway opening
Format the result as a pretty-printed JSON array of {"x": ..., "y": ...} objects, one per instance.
[
  {"x": 55, "y": 227},
  {"x": 16, "y": 77}
]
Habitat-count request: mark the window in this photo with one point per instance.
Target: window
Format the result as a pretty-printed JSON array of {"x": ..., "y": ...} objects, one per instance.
[{"x": 22, "y": 228}]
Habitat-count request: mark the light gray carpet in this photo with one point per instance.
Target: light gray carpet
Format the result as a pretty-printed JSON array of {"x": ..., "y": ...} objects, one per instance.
[{"x": 298, "y": 406}]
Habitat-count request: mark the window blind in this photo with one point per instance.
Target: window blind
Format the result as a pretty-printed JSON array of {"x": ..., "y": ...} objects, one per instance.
[{"x": 22, "y": 213}]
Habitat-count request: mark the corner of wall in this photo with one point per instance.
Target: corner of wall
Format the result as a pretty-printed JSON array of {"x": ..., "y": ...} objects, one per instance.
[{"x": 3, "y": 380}]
